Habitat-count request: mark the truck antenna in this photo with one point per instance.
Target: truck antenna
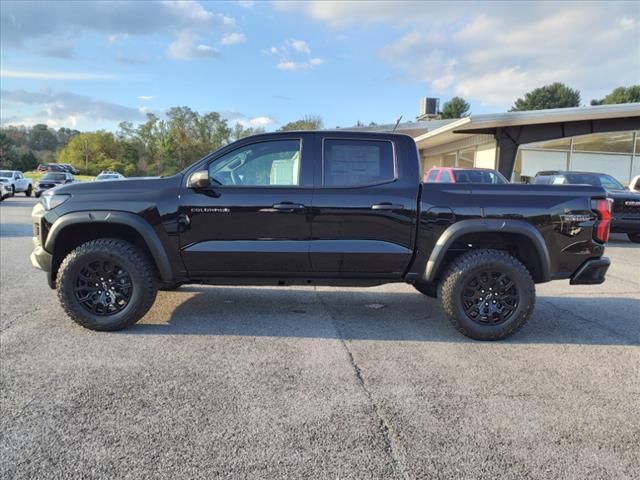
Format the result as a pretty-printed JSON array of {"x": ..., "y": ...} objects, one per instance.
[{"x": 397, "y": 123}]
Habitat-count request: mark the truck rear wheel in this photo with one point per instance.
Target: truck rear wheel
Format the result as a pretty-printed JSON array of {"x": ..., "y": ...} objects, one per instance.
[
  {"x": 28, "y": 191},
  {"x": 487, "y": 294},
  {"x": 106, "y": 284}
]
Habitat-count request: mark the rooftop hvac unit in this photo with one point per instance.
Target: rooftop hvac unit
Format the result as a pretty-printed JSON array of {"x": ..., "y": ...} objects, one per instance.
[{"x": 429, "y": 106}]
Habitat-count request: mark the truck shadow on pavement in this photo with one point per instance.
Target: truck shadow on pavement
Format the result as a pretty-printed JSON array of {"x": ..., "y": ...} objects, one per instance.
[{"x": 375, "y": 314}]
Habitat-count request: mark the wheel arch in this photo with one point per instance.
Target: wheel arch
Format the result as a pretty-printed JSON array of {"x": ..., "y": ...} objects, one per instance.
[
  {"x": 76, "y": 228},
  {"x": 520, "y": 237}
]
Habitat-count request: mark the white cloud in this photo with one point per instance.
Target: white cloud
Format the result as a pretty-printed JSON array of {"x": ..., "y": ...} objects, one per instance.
[
  {"x": 59, "y": 108},
  {"x": 246, "y": 3},
  {"x": 146, "y": 97},
  {"x": 263, "y": 121},
  {"x": 306, "y": 65},
  {"x": 26, "y": 27},
  {"x": 118, "y": 37},
  {"x": 186, "y": 47},
  {"x": 300, "y": 46},
  {"x": 125, "y": 60},
  {"x": 233, "y": 38},
  {"x": 294, "y": 55},
  {"x": 501, "y": 50},
  {"x": 56, "y": 75}
]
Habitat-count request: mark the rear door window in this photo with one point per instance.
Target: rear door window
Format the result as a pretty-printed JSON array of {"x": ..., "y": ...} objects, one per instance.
[{"x": 352, "y": 163}]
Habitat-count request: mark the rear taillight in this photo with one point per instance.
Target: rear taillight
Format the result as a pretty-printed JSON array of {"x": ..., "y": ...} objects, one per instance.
[{"x": 601, "y": 228}]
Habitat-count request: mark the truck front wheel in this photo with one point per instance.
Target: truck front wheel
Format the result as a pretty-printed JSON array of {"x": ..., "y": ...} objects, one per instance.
[
  {"x": 487, "y": 294},
  {"x": 634, "y": 237},
  {"x": 106, "y": 284}
]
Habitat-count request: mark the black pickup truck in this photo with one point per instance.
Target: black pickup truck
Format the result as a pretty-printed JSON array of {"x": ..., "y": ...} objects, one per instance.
[
  {"x": 625, "y": 206},
  {"x": 318, "y": 208}
]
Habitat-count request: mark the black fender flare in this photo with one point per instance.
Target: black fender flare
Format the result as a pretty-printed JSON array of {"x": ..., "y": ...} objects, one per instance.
[
  {"x": 131, "y": 220},
  {"x": 479, "y": 225}
]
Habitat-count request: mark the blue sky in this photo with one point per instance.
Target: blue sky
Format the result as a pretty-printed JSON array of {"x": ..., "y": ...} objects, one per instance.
[{"x": 91, "y": 65}]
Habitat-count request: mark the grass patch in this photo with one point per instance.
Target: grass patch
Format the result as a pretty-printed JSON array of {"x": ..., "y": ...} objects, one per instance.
[{"x": 35, "y": 176}]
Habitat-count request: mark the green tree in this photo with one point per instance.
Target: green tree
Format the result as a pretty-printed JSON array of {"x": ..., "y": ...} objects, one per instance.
[
  {"x": 63, "y": 135},
  {"x": 42, "y": 138},
  {"x": 9, "y": 154},
  {"x": 27, "y": 162},
  {"x": 556, "y": 95},
  {"x": 238, "y": 131},
  {"x": 457, "y": 107},
  {"x": 620, "y": 95},
  {"x": 307, "y": 123},
  {"x": 93, "y": 152}
]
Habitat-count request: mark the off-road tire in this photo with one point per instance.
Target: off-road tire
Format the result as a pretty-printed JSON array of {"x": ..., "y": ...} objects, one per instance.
[
  {"x": 634, "y": 237},
  {"x": 13, "y": 190},
  {"x": 139, "y": 268},
  {"x": 28, "y": 191},
  {"x": 427, "y": 289},
  {"x": 38, "y": 194},
  {"x": 467, "y": 265}
]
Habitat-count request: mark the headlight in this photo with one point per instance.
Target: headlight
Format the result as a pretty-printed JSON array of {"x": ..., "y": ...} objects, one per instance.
[{"x": 52, "y": 200}]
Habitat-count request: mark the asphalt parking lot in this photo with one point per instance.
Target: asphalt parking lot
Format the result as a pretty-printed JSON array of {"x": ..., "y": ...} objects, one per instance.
[{"x": 265, "y": 383}]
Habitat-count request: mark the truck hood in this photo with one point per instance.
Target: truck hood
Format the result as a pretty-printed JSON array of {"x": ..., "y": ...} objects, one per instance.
[
  {"x": 120, "y": 187},
  {"x": 623, "y": 195}
]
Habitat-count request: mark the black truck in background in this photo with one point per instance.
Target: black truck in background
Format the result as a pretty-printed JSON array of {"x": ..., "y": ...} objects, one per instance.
[
  {"x": 318, "y": 208},
  {"x": 625, "y": 204}
]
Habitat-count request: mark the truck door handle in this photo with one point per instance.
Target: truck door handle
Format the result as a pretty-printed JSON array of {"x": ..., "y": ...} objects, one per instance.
[
  {"x": 387, "y": 206},
  {"x": 288, "y": 207}
]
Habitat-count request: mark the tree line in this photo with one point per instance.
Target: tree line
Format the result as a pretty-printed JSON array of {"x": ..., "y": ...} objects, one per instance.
[
  {"x": 163, "y": 146},
  {"x": 555, "y": 95}
]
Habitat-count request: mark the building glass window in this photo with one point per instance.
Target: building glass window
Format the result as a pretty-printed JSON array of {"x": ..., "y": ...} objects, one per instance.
[
  {"x": 617, "y": 142},
  {"x": 466, "y": 158},
  {"x": 431, "y": 161},
  {"x": 449, "y": 159},
  {"x": 556, "y": 144}
]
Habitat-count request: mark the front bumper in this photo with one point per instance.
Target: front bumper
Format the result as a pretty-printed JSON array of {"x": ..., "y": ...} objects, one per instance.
[
  {"x": 40, "y": 258},
  {"x": 591, "y": 272}
]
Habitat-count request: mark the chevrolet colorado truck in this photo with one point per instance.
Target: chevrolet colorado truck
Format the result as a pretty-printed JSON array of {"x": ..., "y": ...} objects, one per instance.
[{"x": 317, "y": 208}]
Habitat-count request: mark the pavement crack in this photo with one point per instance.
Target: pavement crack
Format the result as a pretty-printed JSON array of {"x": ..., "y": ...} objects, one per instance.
[
  {"x": 390, "y": 439},
  {"x": 633, "y": 340}
]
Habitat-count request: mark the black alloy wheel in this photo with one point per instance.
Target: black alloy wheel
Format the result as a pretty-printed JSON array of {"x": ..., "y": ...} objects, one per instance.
[
  {"x": 489, "y": 298},
  {"x": 103, "y": 288}
]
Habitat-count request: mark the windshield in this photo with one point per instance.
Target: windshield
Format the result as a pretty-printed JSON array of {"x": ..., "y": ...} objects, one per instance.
[
  {"x": 479, "y": 176},
  {"x": 595, "y": 179},
  {"x": 6, "y": 173},
  {"x": 54, "y": 176}
]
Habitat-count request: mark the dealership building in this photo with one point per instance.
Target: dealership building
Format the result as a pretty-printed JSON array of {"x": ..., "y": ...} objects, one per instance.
[{"x": 602, "y": 138}]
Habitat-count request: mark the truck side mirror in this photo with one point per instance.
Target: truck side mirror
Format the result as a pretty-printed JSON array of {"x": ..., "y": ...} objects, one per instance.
[{"x": 199, "y": 180}]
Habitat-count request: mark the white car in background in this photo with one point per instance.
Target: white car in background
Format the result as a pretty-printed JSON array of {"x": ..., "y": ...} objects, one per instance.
[
  {"x": 634, "y": 186},
  {"x": 105, "y": 176},
  {"x": 5, "y": 191},
  {"x": 17, "y": 182}
]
